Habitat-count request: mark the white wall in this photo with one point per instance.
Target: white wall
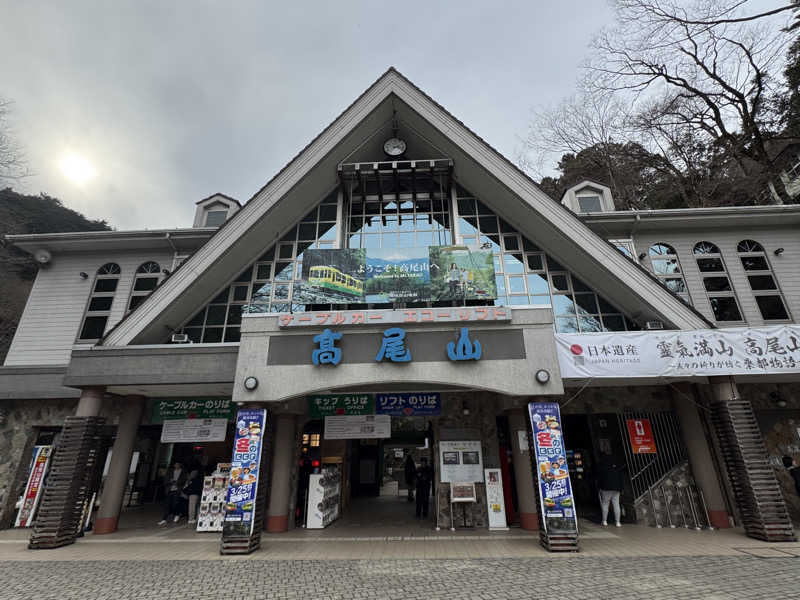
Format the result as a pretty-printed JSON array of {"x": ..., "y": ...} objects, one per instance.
[{"x": 54, "y": 312}]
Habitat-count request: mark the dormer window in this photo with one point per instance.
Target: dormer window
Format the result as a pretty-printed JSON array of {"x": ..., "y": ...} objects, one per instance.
[
  {"x": 215, "y": 210},
  {"x": 588, "y": 197},
  {"x": 215, "y": 218},
  {"x": 589, "y": 204}
]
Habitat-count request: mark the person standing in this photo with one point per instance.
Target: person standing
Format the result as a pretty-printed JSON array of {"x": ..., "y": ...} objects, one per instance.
[
  {"x": 193, "y": 489},
  {"x": 411, "y": 475},
  {"x": 610, "y": 481},
  {"x": 794, "y": 471},
  {"x": 424, "y": 477},
  {"x": 173, "y": 487}
]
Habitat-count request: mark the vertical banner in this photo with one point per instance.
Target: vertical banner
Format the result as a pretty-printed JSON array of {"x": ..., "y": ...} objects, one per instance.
[
  {"x": 641, "y": 436},
  {"x": 33, "y": 490},
  {"x": 240, "y": 500},
  {"x": 555, "y": 491},
  {"x": 495, "y": 502}
]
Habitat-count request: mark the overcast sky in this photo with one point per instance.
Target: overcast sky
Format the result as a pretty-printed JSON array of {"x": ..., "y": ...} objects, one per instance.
[{"x": 172, "y": 101}]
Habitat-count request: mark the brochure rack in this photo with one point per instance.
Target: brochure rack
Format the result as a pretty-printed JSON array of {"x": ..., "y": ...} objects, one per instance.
[
  {"x": 323, "y": 497},
  {"x": 212, "y": 502}
]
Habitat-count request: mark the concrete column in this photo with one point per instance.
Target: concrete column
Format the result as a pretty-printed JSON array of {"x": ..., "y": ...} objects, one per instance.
[
  {"x": 90, "y": 402},
  {"x": 697, "y": 447},
  {"x": 117, "y": 478},
  {"x": 282, "y": 458},
  {"x": 524, "y": 477}
]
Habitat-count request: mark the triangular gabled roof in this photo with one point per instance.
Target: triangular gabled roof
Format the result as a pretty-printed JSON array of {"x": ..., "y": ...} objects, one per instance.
[{"x": 312, "y": 174}]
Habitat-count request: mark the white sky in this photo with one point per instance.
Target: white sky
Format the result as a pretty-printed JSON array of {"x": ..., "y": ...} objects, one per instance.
[{"x": 173, "y": 101}]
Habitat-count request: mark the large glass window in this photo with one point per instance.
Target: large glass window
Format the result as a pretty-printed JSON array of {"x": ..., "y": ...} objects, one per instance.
[
  {"x": 716, "y": 282},
  {"x": 667, "y": 267},
  {"x": 98, "y": 308},
  {"x": 762, "y": 281},
  {"x": 144, "y": 281}
]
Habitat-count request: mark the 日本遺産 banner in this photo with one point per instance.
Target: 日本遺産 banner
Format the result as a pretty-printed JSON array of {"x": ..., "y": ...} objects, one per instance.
[
  {"x": 705, "y": 352},
  {"x": 241, "y": 497}
]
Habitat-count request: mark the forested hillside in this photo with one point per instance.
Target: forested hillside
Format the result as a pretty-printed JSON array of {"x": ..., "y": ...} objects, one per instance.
[{"x": 28, "y": 214}]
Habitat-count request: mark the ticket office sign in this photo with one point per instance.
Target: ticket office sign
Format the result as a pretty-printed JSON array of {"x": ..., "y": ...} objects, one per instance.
[
  {"x": 328, "y": 405},
  {"x": 241, "y": 497},
  {"x": 555, "y": 490}
]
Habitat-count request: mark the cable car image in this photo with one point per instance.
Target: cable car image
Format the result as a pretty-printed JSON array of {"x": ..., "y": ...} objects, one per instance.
[{"x": 332, "y": 279}]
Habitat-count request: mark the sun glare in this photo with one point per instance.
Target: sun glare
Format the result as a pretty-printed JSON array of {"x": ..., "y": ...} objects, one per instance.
[{"x": 77, "y": 169}]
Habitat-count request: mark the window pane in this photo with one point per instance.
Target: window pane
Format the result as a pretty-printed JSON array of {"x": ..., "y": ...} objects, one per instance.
[
  {"x": 215, "y": 218},
  {"x": 772, "y": 308},
  {"x": 135, "y": 301},
  {"x": 512, "y": 263},
  {"x": 145, "y": 284},
  {"x": 518, "y": 300},
  {"x": 589, "y": 204},
  {"x": 281, "y": 292},
  {"x": 511, "y": 242},
  {"x": 216, "y": 315},
  {"x": 102, "y": 303},
  {"x": 725, "y": 308},
  {"x": 566, "y": 325},
  {"x": 488, "y": 225},
  {"x": 240, "y": 293},
  {"x": 93, "y": 328},
  {"x": 466, "y": 206},
  {"x": 560, "y": 283},
  {"x": 717, "y": 284},
  {"x": 563, "y": 305},
  {"x": 284, "y": 271},
  {"x": 264, "y": 271},
  {"x": 232, "y": 334},
  {"x": 537, "y": 284},
  {"x": 708, "y": 265},
  {"x": 235, "y": 314},
  {"x": 540, "y": 300},
  {"x": 613, "y": 323},
  {"x": 516, "y": 285},
  {"x": 762, "y": 282},
  {"x": 194, "y": 333},
  {"x": 500, "y": 281},
  {"x": 554, "y": 265},
  {"x": 676, "y": 285},
  {"x": 590, "y": 324},
  {"x": 535, "y": 262},
  {"x": 754, "y": 263},
  {"x": 666, "y": 266},
  {"x": 212, "y": 335},
  {"x": 105, "y": 285},
  {"x": 579, "y": 286},
  {"x": 261, "y": 293},
  {"x": 327, "y": 212},
  {"x": 586, "y": 303},
  {"x": 198, "y": 319}
]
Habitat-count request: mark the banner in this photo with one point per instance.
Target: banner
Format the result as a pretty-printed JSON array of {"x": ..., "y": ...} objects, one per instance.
[
  {"x": 460, "y": 461},
  {"x": 340, "y": 404},
  {"x": 33, "y": 490},
  {"x": 409, "y": 405},
  {"x": 203, "y": 408},
  {"x": 354, "y": 427},
  {"x": 555, "y": 490},
  {"x": 641, "y": 435},
  {"x": 241, "y": 497},
  {"x": 699, "y": 353},
  {"x": 382, "y": 275}
]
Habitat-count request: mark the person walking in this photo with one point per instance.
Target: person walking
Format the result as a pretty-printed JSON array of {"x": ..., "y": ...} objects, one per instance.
[
  {"x": 610, "y": 481},
  {"x": 193, "y": 489},
  {"x": 173, "y": 487},
  {"x": 424, "y": 477},
  {"x": 411, "y": 475}
]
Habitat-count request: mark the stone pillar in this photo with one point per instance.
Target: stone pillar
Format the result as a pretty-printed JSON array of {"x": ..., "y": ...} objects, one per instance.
[
  {"x": 524, "y": 477},
  {"x": 90, "y": 402},
  {"x": 282, "y": 458},
  {"x": 700, "y": 459},
  {"x": 121, "y": 453}
]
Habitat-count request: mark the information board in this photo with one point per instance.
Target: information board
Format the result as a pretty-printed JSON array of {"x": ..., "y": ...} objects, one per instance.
[
  {"x": 353, "y": 427},
  {"x": 194, "y": 430},
  {"x": 495, "y": 500},
  {"x": 460, "y": 461}
]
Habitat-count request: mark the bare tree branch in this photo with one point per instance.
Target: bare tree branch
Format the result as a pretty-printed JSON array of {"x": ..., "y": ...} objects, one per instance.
[{"x": 13, "y": 165}]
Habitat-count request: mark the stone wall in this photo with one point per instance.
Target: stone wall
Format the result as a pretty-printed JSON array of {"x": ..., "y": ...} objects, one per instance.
[{"x": 675, "y": 485}]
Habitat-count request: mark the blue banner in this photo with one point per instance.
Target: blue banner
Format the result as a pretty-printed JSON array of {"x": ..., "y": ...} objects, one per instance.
[
  {"x": 240, "y": 500},
  {"x": 408, "y": 405},
  {"x": 555, "y": 491}
]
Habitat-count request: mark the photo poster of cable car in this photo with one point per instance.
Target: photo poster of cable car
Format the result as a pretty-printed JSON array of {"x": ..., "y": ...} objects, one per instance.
[{"x": 387, "y": 275}]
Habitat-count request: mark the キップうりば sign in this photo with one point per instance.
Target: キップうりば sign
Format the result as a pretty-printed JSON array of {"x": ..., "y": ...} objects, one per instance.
[
  {"x": 328, "y": 405},
  {"x": 641, "y": 436},
  {"x": 242, "y": 494},
  {"x": 555, "y": 489}
]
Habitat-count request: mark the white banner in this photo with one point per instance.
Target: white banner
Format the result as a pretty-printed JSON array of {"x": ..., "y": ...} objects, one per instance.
[
  {"x": 700, "y": 353},
  {"x": 353, "y": 427},
  {"x": 495, "y": 501},
  {"x": 194, "y": 430}
]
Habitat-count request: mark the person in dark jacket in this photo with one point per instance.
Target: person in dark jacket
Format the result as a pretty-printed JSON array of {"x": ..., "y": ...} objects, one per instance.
[
  {"x": 193, "y": 489},
  {"x": 424, "y": 478},
  {"x": 794, "y": 471},
  {"x": 610, "y": 481},
  {"x": 411, "y": 476},
  {"x": 173, "y": 483}
]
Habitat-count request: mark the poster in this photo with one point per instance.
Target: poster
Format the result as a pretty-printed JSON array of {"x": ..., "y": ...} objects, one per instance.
[
  {"x": 340, "y": 404},
  {"x": 698, "y": 353},
  {"x": 460, "y": 461},
  {"x": 555, "y": 491},
  {"x": 641, "y": 436},
  {"x": 193, "y": 408},
  {"x": 383, "y": 275},
  {"x": 194, "y": 430},
  {"x": 409, "y": 405},
  {"x": 241, "y": 497},
  {"x": 353, "y": 427},
  {"x": 495, "y": 500},
  {"x": 40, "y": 461}
]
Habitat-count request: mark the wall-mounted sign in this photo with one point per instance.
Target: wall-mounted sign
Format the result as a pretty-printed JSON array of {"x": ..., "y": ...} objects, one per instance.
[
  {"x": 326, "y": 405},
  {"x": 203, "y": 408},
  {"x": 353, "y": 427},
  {"x": 555, "y": 490},
  {"x": 700, "y": 353},
  {"x": 461, "y": 314},
  {"x": 460, "y": 461},
  {"x": 495, "y": 500},
  {"x": 408, "y": 404},
  {"x": 194, "y": 430},
  {"x": 641, "y": 436},
  {"x": 33, "y": 490},
  {"x": 378, "y": 275},
  {"x": 241, "y": 497}
]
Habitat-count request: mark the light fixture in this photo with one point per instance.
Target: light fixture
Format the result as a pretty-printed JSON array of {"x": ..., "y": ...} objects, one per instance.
[
  {"x": 250, "y": 383},
  {"x": 542, "y": 376},
  {"x": 642, "y": 256},
  {"x": 465, "y": 408},
  {"x": 83, "y": 275},
  {"x": 778, "y": 251},
  {"x": 165, "y": 272}
]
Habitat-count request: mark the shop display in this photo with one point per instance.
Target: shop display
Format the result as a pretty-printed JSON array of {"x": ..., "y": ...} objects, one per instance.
[
  {"x": 323, "y": 497},
  {"x": 212, "y": 500}
]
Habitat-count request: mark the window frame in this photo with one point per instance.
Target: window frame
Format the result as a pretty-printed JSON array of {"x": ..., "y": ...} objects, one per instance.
[
  {"x": 709, "y": 250},
  {"x": 654, "y": 257},
  {"x": 107, "y": 271},
  {"x": 143, "y": 271},
  {"x": 769, "y": 271}
]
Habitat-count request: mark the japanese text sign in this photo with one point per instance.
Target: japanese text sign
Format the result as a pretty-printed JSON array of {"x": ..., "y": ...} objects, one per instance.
[
  {"x": 641, "y": 436},
  {"x": 196, "y": 408},
  {"x": 555, "y": 490},
  {"x": 408, "y": 405},
  {"x": 241, "y": 497},
  {"x": 340, "y": 404},
  {"x": 33, "y": 490},
  {"x": 494, "y": 314}
]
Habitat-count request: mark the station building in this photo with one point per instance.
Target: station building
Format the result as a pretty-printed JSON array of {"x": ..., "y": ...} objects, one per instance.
[{"x": 141, "y": 328}]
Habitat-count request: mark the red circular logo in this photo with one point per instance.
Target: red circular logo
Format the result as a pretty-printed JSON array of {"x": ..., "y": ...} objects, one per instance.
[{"x": 576, "y": 349}]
